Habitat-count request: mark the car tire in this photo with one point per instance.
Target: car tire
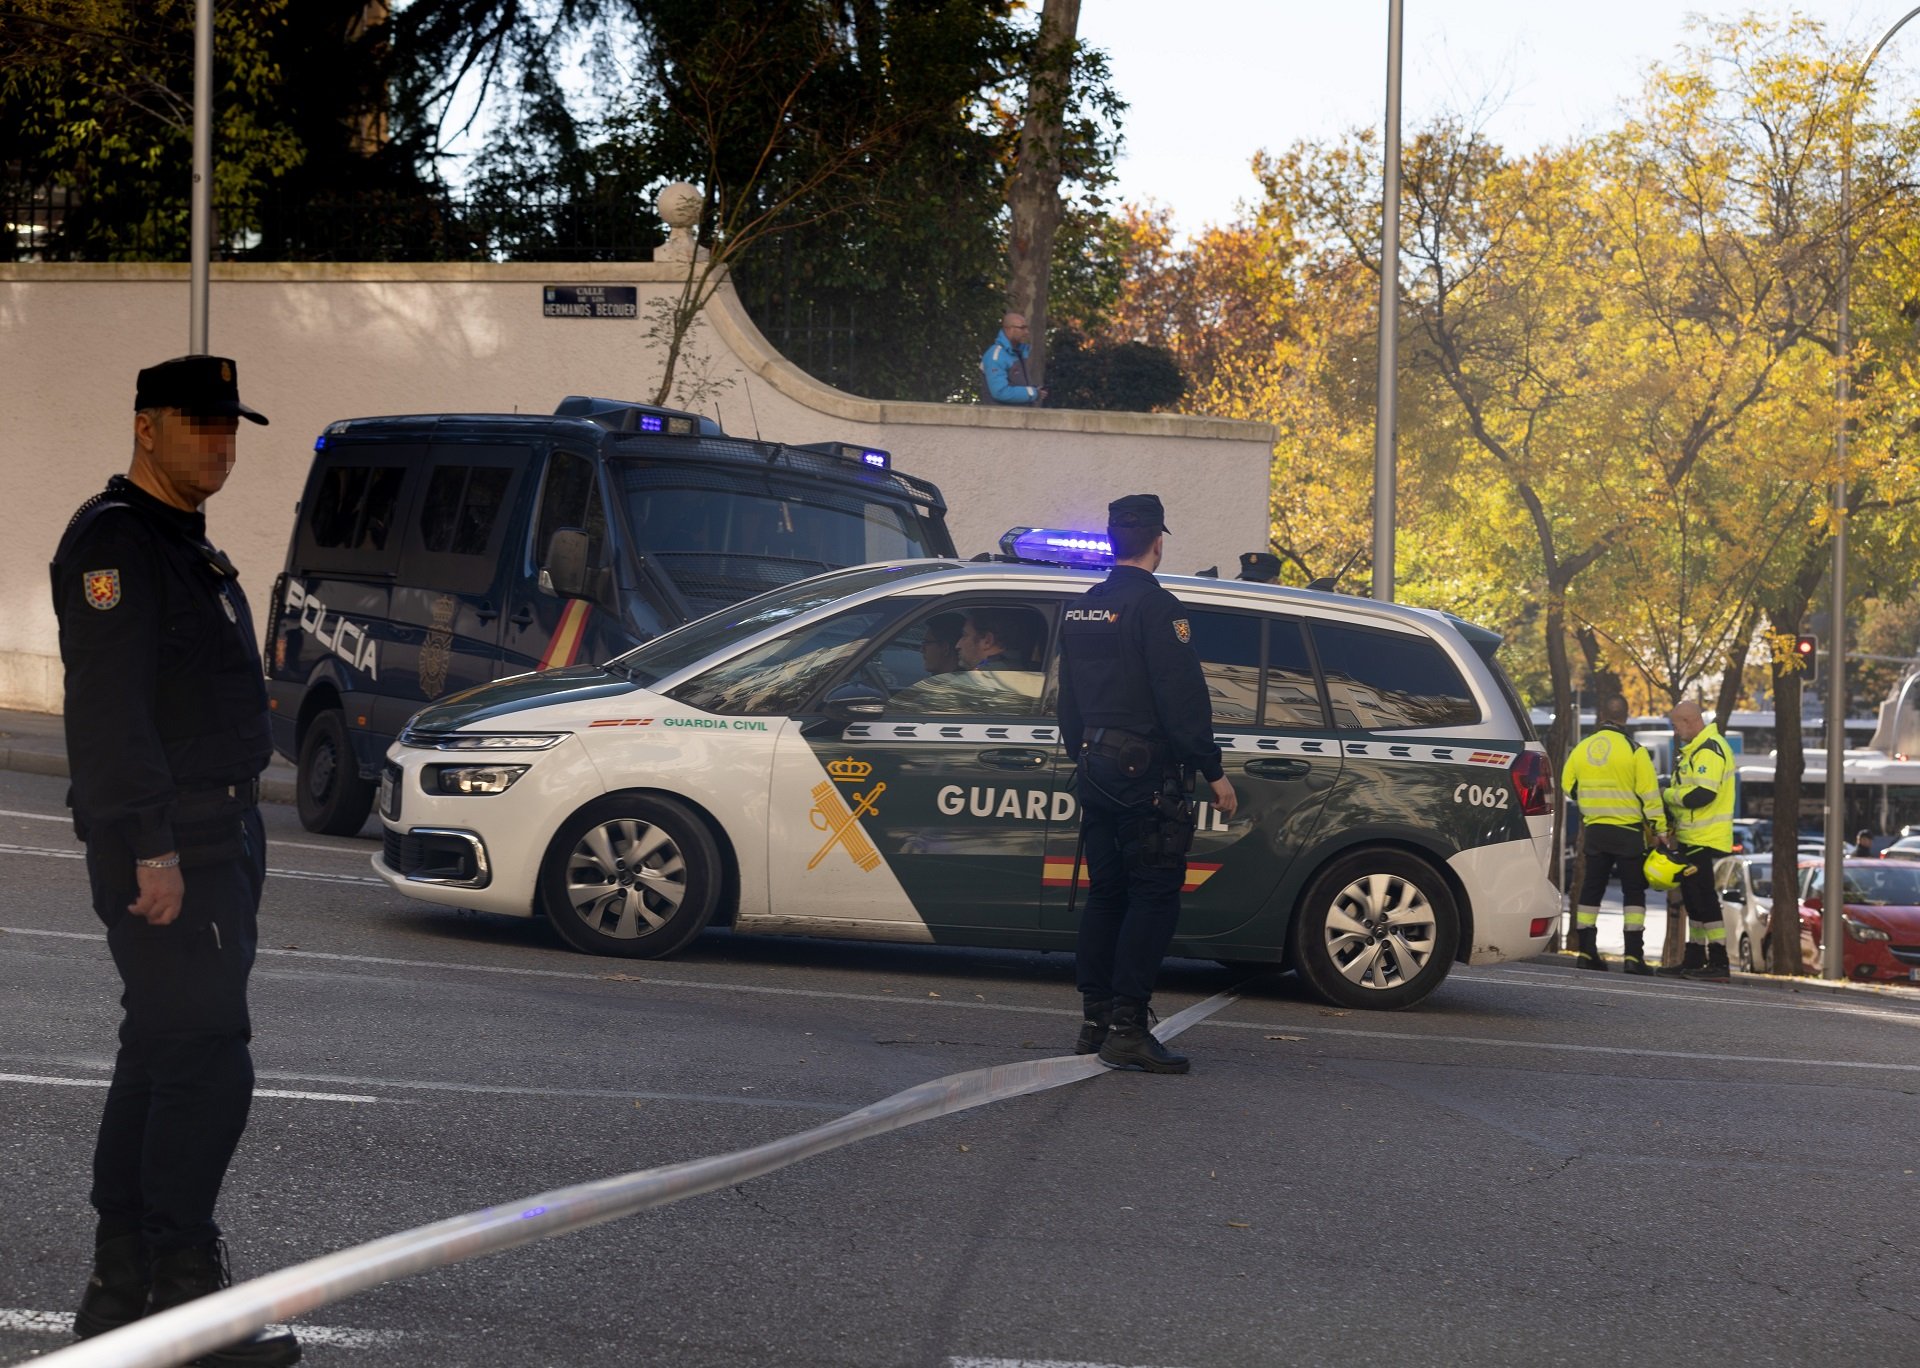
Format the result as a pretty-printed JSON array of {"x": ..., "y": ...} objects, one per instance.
[
  {"x": 1381, "y": 890},
  {"x": 632, "y": 875},
  {"x": 332, "y": 797},
  {"x": 1746, "y": 953}
]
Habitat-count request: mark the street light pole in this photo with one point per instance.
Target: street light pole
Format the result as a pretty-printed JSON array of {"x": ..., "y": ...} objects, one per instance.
[
  {"x": 1833, "y": 927},
  {"x": 1383, "y": 423},
  {"x": 200, "y": 223}
]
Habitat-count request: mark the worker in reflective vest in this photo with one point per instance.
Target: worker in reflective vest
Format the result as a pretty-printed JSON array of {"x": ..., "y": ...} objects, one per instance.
[
  {"x": 1699, "y": 806},
  {"x": 1611, "y": 777}
]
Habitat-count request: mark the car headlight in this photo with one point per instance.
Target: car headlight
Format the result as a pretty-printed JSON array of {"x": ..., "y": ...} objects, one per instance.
[
  {"x": 1859, "y": 930},
  {"x": 482, "y": 741},
  {"x": 471, "y": 780}
]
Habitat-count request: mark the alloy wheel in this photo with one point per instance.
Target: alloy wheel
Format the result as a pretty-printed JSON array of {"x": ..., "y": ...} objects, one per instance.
[
  {"x": 1380, "y": 931},
  {"x": 626, "y": 878}
]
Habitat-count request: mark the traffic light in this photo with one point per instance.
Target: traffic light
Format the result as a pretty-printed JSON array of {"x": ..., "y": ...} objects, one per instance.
[{"x": 1807, "y": 648}]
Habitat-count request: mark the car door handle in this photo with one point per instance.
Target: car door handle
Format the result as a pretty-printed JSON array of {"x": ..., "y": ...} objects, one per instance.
[
  {"x": 523, "y": 618},
  {"x": 486, "y": 612},
  {"x": 1278, "y": 769},
  {"x": 1014, "y": 758}
]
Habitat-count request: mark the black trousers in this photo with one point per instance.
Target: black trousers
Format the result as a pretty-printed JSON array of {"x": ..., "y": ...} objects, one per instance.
[
  {"x": 183, "y": 1079},
  {"x": 1132, "y": 906},
  {"x": 1696, "y": 889},
  {"x": 1611, "y": 851}
]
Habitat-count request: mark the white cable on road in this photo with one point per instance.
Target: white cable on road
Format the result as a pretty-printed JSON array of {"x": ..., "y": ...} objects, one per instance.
[{"x": 188, "y": 1331}]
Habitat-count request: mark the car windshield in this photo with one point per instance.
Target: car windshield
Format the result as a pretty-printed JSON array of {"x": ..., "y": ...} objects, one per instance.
[
  {"x": 725, "y": 535},
  {"x": 1883, "y": 885},
  {"x": 669, "y": 654}
]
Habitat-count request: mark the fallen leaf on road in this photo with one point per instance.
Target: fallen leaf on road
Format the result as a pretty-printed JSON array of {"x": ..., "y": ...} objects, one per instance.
[
  {"x": 1286, "y": 1037},
  {"x": 1326, "y": 1011},
  {"x": 933, "y": 995},
  {"x": 965, "y": 1149},
  {"x": 1241, "y": 1225}
]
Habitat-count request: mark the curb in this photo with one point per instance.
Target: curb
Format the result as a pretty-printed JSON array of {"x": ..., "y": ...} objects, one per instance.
[
  {"x": 1784, "y": 983},
  {"x": 24, "y": 760}
]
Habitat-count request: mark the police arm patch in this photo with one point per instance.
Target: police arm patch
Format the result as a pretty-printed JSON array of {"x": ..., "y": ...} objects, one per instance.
[
  {"x": 1182, "y": 630},
  {"x": 102, "y": 588}
]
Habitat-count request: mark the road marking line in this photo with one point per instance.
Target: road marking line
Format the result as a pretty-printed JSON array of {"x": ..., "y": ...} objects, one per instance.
[
  {"x": 257, "y": 1092},
  {"x": 1734, "y": 995},
  {"x": 959, "y": 1362},
  {"x": 1311, "y": 1032},
  {"x": 360, "y": 851},
  {"x": 334, "y": 1336},
  {"x": 310, "y": 875}
]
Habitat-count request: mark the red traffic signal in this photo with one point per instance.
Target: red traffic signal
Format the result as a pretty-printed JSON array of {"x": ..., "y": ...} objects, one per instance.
[{"x": 1807, "y": 649}]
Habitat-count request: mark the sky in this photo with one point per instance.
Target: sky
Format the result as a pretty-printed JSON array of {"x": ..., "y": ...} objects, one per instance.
[{"x": 1211, "y": 82}]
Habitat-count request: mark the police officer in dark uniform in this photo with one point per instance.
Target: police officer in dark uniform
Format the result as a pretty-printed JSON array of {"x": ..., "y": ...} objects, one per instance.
[
  {"x": 166, "y": 722},
  {"x": 1136, "y": 720}
]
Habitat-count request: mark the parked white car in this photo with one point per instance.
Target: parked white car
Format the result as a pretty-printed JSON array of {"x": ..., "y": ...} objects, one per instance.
[{"x": 1745, "y": 887}]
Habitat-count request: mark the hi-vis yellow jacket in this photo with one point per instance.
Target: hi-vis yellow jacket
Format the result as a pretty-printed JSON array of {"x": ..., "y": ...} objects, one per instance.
[
  {"x": 1700, "y": 799},
  {"x": 1611, "y": 778}
]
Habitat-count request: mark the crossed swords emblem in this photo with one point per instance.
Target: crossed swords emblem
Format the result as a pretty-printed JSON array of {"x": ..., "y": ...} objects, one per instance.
[{"x": 842, "y": 825}]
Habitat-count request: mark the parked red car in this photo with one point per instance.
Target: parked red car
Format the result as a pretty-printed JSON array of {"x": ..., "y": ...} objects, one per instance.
[{"x": 1882, "y": 914}]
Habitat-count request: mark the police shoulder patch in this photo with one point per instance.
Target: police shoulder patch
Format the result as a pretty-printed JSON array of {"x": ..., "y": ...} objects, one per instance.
[
  {"x": 1182, "y": 630},
  {"x": 102, "y": 588}
]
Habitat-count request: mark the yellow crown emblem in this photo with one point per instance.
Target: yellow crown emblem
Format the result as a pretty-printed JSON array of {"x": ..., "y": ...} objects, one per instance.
[{"x": 849, "y": 770}]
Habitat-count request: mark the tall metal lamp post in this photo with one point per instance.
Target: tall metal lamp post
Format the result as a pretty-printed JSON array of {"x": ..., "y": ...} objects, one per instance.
[
  {"x": 1833, "y": 929},
  {"x": 200, "y": 223},
  {"x": 1383, "y": 430}
]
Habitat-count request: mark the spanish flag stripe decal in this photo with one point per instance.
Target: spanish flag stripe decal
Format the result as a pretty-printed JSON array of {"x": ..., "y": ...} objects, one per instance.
[
  {"x": 1058, "y": 870},
  {"x": 565, "y": 645}
]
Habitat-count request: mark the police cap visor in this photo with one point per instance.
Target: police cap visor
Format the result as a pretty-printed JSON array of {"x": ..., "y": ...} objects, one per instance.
[{"x": 200, "y": 386}]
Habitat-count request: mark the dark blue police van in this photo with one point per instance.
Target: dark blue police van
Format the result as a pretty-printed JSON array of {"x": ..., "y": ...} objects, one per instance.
[{"x": 434, "y": 552}]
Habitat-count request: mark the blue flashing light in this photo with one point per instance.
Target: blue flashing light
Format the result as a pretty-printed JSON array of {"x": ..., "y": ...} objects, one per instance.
[
  {"x": 320, "y": 442},
  {"x": 652, "y": 422},
  {"x": 1060, "y": 546},
  {"x": 879, "y": 460}
]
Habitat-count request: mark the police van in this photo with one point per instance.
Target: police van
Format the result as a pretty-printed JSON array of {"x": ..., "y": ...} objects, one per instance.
[
  {"x": 435, "y": 552},
  {"x": 815, "y": 761}
]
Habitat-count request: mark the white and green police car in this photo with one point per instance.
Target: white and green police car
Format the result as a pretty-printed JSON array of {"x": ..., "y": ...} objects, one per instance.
[{"x": 817, "y": 761}]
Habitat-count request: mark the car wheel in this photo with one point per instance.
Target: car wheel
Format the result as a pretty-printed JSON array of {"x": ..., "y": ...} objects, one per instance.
[
  {"x": 1746, "y": 953},
  {"x": 631, "y": 875},
  {"x": 1377, "y": 929},
  {"x": 332, "y": 797}
]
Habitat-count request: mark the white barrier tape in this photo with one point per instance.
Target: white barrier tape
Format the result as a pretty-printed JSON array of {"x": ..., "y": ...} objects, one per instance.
[{"x": 227, "y": 1317}]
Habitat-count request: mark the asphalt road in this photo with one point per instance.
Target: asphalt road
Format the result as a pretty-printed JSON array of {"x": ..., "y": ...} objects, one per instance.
[{"x": 1538, "y": 1166}]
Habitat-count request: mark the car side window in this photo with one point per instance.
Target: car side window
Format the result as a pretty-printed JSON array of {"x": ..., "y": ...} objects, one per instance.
[
  {"x": 979, "y": 659},
  {"x": 1228, "y": 645},
  {"x": 570, "y": 497},
  {"x": 460, "y": 508},
  {"x": 1385, "y": 681},
  {"x": 776, "y": 677},
  {"x": 353, "y": 509},
  {"x": 454, "y": 541},
  {"x": 1293, "y": 694}
]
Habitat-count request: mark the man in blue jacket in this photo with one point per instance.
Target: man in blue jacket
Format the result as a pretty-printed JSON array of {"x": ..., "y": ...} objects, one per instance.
[{"x": 1005, "y": 365}]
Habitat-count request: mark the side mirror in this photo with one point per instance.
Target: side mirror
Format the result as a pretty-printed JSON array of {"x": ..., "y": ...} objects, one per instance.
[
  {"x": 565, "y": 570},
  {"x": 854, "y": 701},
  {"x": 1732, "y": 895}
]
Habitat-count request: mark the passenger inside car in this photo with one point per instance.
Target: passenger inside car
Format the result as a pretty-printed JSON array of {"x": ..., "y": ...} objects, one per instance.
[
  {"x": 996, "y": 652},
  {"x": 940, "y": 647}
]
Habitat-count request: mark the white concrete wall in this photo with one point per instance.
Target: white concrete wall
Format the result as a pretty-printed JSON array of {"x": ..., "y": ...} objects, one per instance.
[{"x": 317, "y": 343}]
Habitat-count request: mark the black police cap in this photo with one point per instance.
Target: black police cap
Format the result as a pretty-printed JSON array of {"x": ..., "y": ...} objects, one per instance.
[
  {"x": 1138, "y": 510},
  {"x": 203, "y": 386},
  {"x": 1261, "y": 567}
]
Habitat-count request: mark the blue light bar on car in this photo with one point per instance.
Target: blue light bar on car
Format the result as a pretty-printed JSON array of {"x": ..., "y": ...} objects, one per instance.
[
  {"x": 320, "y": 442},
  {"x": 878, "y": 459},
  {"x": 652, "y": 422},
  {"x": 1058, "y": 546}
]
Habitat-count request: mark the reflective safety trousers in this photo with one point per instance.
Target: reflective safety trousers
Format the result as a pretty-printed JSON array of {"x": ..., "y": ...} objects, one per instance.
[
  {"x": 1612, "y": 780},
  {"x": 1704, "y": 765}
]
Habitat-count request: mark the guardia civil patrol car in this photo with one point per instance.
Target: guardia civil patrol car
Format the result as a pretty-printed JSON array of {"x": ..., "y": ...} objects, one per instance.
[{"x": 817, "y": 761}]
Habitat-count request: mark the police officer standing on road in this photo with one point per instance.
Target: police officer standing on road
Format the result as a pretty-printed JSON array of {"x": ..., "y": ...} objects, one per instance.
[
  {"x": 1612, "y": 779},
  {"x": 1700, "y": 826},
  {"x": 1136, "y": 720},
  {"x": 166, "y": 723}
]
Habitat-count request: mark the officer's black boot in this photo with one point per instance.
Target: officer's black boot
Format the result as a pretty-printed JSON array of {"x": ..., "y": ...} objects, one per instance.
[
  {"x": 1636, "y": 961},
  {"x": 1098, "y": 1012},
  {"x": 1715, "y": 970},
  {"x": 1130, "y": 1045},
  {"x": 1590, "y": 949},
  {"x": 181, "y": 1275},
  {"x": 1695, "y": 958},
  {"x": 116, "y": 1294}
]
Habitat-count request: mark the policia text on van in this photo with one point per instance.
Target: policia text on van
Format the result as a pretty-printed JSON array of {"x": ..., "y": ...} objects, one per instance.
[{"x": 431, "y": 553}]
